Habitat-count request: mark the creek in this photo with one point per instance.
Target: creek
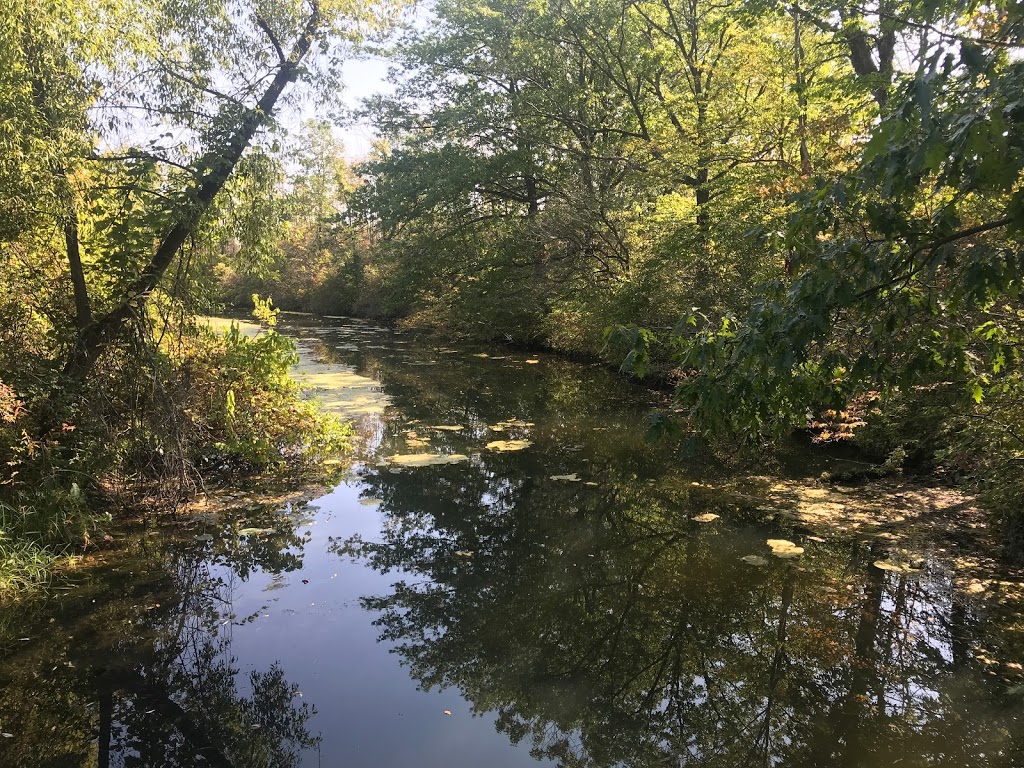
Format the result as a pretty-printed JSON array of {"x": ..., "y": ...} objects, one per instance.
[{"x": 510, "y": 573}]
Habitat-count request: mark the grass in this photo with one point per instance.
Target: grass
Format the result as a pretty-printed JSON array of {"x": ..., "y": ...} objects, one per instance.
[
  {"x": 24, "y": 565},
  {"x": 34, "y": 538}
]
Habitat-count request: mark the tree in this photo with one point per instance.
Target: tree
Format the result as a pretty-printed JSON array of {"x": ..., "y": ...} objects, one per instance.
[
  {"x": 199, "y": 82},
  {"x": 592, "y": 160},
  {"x": 906, "y": 269}
]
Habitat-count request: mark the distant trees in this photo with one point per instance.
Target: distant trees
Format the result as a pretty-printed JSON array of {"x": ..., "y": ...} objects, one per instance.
[{"x": 588, "y": 158}]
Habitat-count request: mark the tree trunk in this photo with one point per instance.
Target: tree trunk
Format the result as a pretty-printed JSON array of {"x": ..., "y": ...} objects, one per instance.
[
  {"x": 69, "y": 213},
  {"x": 862, "y": 54},
  {"x": 83, "y": 313}
]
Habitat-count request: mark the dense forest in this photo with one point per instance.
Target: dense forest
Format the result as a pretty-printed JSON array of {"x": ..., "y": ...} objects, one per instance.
[{"x": 799, "y": 216}]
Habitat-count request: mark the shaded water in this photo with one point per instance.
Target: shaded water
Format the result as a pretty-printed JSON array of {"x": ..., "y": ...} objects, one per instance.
[{"x": 555, "y": 602}]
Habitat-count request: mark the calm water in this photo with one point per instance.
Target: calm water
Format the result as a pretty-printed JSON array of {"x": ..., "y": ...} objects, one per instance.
[{"x": 555, "y": 604}]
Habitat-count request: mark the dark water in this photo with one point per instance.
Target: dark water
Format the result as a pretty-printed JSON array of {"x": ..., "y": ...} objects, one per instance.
[{"x": 577, "y": 622}]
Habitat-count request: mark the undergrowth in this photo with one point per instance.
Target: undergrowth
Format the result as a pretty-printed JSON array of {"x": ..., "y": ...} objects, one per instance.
[{"x": 179, "y": 407}]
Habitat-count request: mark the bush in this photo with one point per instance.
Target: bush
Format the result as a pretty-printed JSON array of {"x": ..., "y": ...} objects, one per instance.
[{"x": 242, "y": 401}]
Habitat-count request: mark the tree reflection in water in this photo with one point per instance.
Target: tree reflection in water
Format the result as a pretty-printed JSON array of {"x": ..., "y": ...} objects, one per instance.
[
  {"x": 144, "y": 675},
  {"x": 609, "y": 629}
]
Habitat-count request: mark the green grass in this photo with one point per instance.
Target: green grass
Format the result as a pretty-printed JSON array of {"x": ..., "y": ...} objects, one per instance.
[
  {"x": 24, "y": 565},
  {"x": 35, "y": 536}
]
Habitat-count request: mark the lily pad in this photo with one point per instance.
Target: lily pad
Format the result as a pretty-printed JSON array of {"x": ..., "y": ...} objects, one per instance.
[
  {"x": 508, "y": 445},
  {"x": 707, "y": 517},
  {"x": 426, "y": 459},
  {"x": 784, "y": 548}
]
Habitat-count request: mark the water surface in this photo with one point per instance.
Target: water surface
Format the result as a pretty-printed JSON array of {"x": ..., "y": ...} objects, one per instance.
[{"x": 512, "y": 575}]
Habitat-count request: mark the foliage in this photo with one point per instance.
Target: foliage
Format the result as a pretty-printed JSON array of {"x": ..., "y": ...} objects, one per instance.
[
  {"x": 319, "y": 252},
  {"x": 906, "y": 273},
  {"x": 245, "y": 403},
  {"x": 138, "y": 146},
  {"x": 588, "y": 176}
]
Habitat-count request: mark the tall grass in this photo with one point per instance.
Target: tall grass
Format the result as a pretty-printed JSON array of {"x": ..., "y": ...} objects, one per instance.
[{"x": 36, "y": 535}]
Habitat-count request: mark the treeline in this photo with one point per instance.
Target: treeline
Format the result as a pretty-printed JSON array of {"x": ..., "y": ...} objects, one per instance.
[
  {"x": 806, "y": 215},
  {"x": 545, "y": 171}
]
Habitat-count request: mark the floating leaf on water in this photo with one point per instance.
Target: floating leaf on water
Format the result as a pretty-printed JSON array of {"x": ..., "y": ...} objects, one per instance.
[
  {"x": 817, "y": 539},
  {"x": 464, "y": 553},
  {"x": 481, "y": 354},
  {"x": 784, "y": 548},
  {"x": 508, "y": 445},
  {"x": 573, "y": 478},
  {"x": 707, "y": 517},
  {"x": 755, "y": 560},
  {"x": 417, "y": 443},
  {"x": 204, "y": 537},
  {"x": 448, "y": 428},
  {"x": 888, "y": 565},
  {"x": 255, "y": 531},
  {"x": 371, "y": 502},
  {"x": 532, "y": 361},
  {"x": 591, "y": 483},
  {"x": 497, "y": 427},
  {"x": 426, "y": 459},
  {"x": 447, "y": 711}
]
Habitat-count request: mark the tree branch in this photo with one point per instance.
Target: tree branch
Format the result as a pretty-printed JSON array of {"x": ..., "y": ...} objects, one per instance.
[{"x": 273, "y": 38}]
